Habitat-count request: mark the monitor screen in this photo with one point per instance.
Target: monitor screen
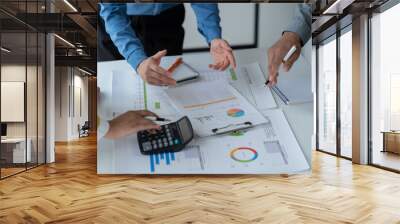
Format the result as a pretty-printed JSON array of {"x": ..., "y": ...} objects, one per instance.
[{"x": 3, "y": 129}]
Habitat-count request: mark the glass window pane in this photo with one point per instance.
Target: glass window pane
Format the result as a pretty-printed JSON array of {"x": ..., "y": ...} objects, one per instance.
[
  {"x": 327, "y": 96},
  {"x": 385, "y": 87},
  {"x": 31, "y": 97},
  {"x": 346, "y": 94},
  {"x": 41, "y": 98},
  {"x": 13, "y": 87}
]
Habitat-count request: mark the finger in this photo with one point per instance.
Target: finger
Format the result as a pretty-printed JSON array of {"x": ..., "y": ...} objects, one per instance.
[
  {"x": 273, "y": 66},
  {"x": 143, "y": 127},
  {"x": 158, "y": 69},
  {"x": 160, "y": 54},
  {"x": 273, "y": 81},
  {"x": 217, "y": 65},
  {"x": 225, "y": 64},
  {"x": 273, "y": 72},
  {"x": 145, "y": 113},
  {"x": 289, "y": 63},
  {"x": 231, "y": 59},
  {"x": 154, "y": 81},
  {"x": 146, "y": 122},
  {"x": 164, "y": 79}
]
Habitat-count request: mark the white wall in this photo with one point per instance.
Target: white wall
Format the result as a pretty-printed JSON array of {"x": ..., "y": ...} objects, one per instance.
[
  {"x": 237, "y": 22},
  {"x": 70, "y": 83}
]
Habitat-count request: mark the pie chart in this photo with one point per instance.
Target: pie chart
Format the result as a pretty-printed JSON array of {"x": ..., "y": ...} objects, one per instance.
[
  {"x": 235, "y": 112},
  {"x": 243, "y": 154}
]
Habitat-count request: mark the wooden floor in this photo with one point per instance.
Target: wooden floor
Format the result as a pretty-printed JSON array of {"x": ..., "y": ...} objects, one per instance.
[{"x": 70, "y": 191}]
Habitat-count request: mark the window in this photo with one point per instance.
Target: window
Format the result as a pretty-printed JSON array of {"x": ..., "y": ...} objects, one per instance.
[
  {"x": 327, "y": 96},
  {"x": 385, "y": 89},
  {"x": 22, "y": 77},
  {"x": 346, "y": 92}
]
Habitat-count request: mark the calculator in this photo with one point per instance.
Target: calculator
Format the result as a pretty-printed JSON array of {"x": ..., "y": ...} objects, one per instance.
[{"x": 172, "y": 137}]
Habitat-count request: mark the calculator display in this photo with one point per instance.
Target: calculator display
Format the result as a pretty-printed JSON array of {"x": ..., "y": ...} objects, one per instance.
[{"x": 186, "y": 129}]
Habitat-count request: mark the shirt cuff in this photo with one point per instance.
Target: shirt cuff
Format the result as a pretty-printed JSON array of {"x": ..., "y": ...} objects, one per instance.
[
  {"x": 136, "y": 58},
  {"x": 213, "y": 34},
  {"x": 301, "y": 29}
]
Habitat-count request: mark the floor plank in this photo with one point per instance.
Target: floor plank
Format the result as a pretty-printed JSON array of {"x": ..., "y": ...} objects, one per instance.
[{"x": 70, "y": 191}]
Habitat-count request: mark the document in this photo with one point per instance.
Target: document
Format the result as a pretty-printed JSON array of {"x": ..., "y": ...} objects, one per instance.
[
  {"x": 270, "y": 148},
  {"x": 295, "y": 86},
  {"x": 214, "y": 107},
  {"x": 248, "y": 80}
]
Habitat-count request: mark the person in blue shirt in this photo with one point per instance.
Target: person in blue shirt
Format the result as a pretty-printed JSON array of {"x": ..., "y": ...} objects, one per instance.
[
  {"x": 296, "y": 34},
  {"x": 143, "y": 33}
]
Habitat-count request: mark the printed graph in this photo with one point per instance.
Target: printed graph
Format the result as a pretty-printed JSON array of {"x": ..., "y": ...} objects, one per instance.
[
  {"x": 191, "y": 158},
  {"x": 243, "y": 154},
  {"x": 235, "y": 112},
  {"x": 157, "y": 158}
]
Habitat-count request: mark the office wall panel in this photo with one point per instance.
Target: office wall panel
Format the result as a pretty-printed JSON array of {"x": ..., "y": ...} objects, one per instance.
[{"x": 12, "y": 100}]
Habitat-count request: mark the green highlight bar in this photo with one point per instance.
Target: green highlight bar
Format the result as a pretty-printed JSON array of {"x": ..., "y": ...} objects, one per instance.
[
  {"x": 157, "y": 105},
  {"x": 233, "y": 74}
]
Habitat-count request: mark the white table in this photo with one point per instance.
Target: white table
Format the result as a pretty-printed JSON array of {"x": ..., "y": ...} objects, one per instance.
[
  {"x": 300, "y": 116},
  {"x": 19, "y": 153}
]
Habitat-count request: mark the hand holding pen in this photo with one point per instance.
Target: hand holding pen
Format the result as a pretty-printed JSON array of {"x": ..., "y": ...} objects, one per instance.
[{"x": 285, "y": 51}]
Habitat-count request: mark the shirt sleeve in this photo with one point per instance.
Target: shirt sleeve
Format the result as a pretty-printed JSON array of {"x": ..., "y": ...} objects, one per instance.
[
  {"x": 208, "y": 20},
  {"x": 301, "y": 23},
  {"x": 118, "y": 26}
]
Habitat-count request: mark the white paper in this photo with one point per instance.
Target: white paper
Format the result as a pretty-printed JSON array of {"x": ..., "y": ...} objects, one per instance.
[
  {"x": 268, "y": 149},
  {"x": 276, "y": 146},
  {"x": 248, "y": 80},
  {"x": 214, "y": 105}
]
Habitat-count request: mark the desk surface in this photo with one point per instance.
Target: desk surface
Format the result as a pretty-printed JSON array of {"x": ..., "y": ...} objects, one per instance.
[{"x": 300, "y": 116}]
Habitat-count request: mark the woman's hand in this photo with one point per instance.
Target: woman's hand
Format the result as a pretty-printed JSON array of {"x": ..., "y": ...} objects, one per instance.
[{"x": 129, "y": 123}]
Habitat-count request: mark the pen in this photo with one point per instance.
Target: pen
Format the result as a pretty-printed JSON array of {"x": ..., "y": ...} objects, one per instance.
[
  {"x": 157, "y": 118},
  {"x": 287, "y": 56},
  {"x": 178, "y": 61}
]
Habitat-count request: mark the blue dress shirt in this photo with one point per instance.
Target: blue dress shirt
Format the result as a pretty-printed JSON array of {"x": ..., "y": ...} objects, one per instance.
[
  {"x": 301, "y": 23},
  {"x": 118, "y": 25}
]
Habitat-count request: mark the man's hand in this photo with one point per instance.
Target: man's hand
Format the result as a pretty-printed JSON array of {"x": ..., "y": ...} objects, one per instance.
[
  {"x": 277, "y": 53},
  {"x": 129, "y": 123},
  {"x": 151, "y": 71},
  {"x": 222, "y": 55}
]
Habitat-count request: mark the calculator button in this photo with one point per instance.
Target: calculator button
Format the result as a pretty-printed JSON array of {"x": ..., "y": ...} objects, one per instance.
[
  {"x": 160, "y": 145},
  {"x": 176, "y": 141},
  {"x": 147, "y": 146}
]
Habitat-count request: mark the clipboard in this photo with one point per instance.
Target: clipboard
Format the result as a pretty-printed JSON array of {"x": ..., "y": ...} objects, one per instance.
[{"x": 232, "y": 128}]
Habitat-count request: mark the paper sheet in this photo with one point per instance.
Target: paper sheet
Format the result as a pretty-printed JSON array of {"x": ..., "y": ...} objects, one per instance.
[
  {"x": 248, "y": 80},
  {"x": 214, "y": 105},
  {"x": 267, "y": 149}
]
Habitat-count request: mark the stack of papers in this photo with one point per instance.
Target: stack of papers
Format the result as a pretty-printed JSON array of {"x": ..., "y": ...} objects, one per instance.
[{"x": 218, "y": 98}]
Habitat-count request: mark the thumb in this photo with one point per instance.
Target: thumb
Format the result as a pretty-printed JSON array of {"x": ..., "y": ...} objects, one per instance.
[
  {"x": 289, "y": 63},
  {"x": 160, "y": 54}
]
